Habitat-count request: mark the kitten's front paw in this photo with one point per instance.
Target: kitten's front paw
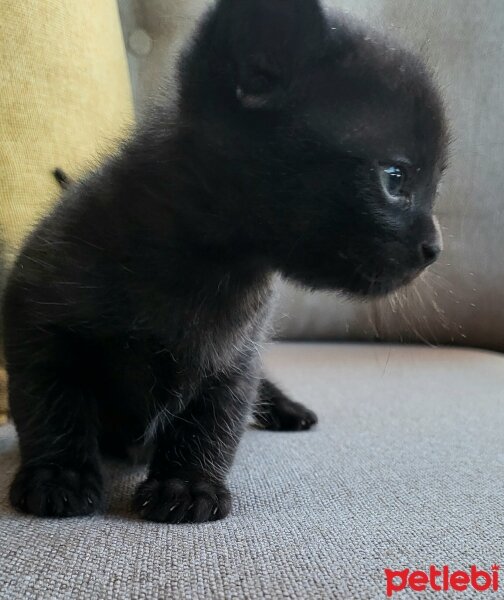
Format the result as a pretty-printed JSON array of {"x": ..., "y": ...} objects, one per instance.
[
  {"x": 182, "y": 500},
  {"x": 54, "y": 491}
]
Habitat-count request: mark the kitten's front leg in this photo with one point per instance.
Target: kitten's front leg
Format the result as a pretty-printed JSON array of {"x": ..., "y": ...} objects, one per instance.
[
  {"x": 60, "y": 474},
  {"x": 187, "y": 475}
]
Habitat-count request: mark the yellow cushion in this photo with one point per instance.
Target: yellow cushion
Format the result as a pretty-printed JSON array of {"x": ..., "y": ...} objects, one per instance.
[{"x": 64, "y": 98}]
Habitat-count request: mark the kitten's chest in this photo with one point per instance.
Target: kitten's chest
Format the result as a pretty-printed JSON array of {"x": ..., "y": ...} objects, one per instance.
[
  {"x": 227, "y": 337},
  {"x": 218, "y": 329}
]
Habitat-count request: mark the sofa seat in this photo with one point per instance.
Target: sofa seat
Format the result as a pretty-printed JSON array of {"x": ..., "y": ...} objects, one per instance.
[{"x": 405, "y": 469}]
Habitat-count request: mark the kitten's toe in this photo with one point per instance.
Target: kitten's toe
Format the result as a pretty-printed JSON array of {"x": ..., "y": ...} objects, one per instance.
[
  {"x": 54, "y": 491},
  {"x": 182, "y": 500},
  {"x": 286, "y": 416}
]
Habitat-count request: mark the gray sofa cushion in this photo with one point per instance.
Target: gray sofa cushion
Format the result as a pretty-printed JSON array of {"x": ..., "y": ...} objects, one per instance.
[
  {"x": 463, "y": 296},
  {"x": 404, "y": 470}
]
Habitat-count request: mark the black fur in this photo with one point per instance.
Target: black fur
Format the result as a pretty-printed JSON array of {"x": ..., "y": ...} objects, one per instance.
[
  {"x": 137, "y": 308},
  {"x": 62, "y": 178}
]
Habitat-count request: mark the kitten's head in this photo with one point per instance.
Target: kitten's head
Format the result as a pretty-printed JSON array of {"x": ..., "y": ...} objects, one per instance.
[{"x": 329, "y": 143}]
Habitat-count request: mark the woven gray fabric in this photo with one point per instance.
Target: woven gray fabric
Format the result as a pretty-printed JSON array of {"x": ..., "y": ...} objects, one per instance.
[{"x": 404, "y": 470}]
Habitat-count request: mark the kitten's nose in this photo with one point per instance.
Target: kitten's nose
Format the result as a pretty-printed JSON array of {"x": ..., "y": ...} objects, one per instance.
[
  {"x": 430, "y": 252},
  {"x": 431, "y": 249}
]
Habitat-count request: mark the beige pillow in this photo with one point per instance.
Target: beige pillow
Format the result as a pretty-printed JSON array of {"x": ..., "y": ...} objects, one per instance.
[{"x": 64, "y": 98}]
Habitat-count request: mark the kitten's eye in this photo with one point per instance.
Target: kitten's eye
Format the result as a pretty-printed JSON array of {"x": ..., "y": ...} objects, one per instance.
[{"x": 393, "y": 179}]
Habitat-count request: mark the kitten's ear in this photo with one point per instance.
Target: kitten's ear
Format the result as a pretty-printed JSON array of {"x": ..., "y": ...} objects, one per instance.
[{"x": 268, "y": 43}]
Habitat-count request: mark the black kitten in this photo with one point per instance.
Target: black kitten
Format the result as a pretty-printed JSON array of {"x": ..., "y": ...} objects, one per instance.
[{"x": 137, "y": 307}]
